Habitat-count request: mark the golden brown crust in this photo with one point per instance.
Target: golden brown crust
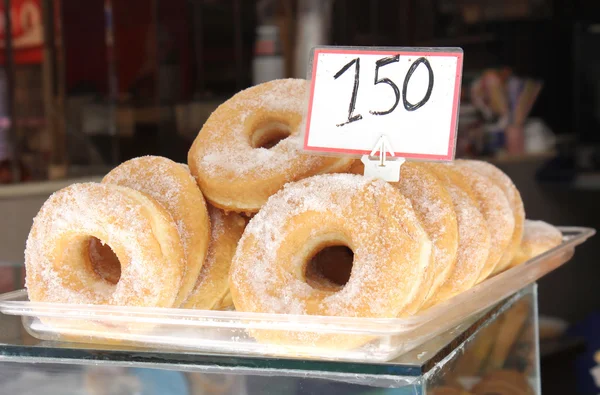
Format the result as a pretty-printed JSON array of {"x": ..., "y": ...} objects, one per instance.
[
  {"x": 514, "y": 198},
  {"x": 145, "y": 240},
  {"x": 473, "y": 235},
  {"x": 211, "y": 291},
  {"x": 503, "y": 382},
  {"x": 173, "y": 187},
  {"x": 538, "y": 237},
  {"x": 447, "y": 390},
  {"x": 224, "y": 148},
  {"x": 434, "y": 208},
  {"x": 391, "y": 251},
  {"x": 495, "y": 208},
  {"x": 357, "y": 167}
]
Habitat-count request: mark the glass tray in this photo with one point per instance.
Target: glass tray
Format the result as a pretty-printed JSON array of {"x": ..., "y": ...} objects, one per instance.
[{"x": 234, "y": 333}]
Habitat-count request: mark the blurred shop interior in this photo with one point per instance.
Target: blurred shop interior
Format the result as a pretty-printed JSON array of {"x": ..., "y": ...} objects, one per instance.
[{"x": 85, "y": 85}]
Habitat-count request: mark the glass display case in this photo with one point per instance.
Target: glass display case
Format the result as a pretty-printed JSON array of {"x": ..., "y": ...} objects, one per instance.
[{"x": 496, "y": 350}]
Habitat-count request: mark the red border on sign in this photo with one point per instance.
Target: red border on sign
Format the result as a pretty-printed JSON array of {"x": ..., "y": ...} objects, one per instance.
[{"x": 459, "y": 64}]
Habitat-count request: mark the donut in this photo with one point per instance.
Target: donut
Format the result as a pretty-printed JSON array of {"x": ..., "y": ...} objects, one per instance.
[
  {"x": 476, "y": 355},
  {"x": 473, "y": 236},
  {"x": 213, "y": 384},
  {"x": 141, "y": 233},
  {"x": 434, "y": 208},
  {"x": 496, "y": 210},
  {"x": 234, "y": 142},
  {"x": 270, "y": 272},
  {"x": 514, "y": 198},
  {"x": 211, "y": 291},
  {"x": 448, "y": 390},
  {"x": 538, "y": 237},
  {"x": 173, "y": 187},
  {"x": 357, "y": 167},
  {"x": 511, "y": 327},
  {"x": 503, "y": 382}
]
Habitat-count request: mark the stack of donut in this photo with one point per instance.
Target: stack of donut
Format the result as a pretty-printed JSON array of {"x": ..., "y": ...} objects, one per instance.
[{"x": 256, "y": 224}]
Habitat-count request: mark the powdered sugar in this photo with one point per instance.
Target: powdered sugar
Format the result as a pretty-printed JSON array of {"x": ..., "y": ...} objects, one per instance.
[
  {"x": 501, "y": 179},
  {"x": 473, "y": 240},
  {"x": 212, "y": 285},
  {"x": 355, "y": 202},
  {"x": 541, "y": 232},
  {"x": 154, "y": 176},
  {"x": 435, "y": 210},
  {"x": 267, "y": 229},
  {"x": 516, "y": 204},
  {"x": 538, "y": 237},
  {"x": 496, "y": 211},
  {"x": 174, "y": 188},
  {"x": 56, "y": 270},
  {"x": 230, "y": 150}
]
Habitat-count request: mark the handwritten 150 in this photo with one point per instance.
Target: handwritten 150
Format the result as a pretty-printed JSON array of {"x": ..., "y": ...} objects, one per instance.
[{"x": 379, "y": 64}]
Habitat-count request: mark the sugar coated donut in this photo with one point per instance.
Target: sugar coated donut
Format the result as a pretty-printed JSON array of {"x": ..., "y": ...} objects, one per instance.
[
  {"x": 270, "y": 271},
  {"x": 503, "y": 382},
  {"x": 173, "y": 187},
  {"x": 232, "y": 146},
  {"x": 215, "y": 384},
  {"x": 447, "y": 390},
  {"x": 496, "y": 210},
  {"x": 473, "y": 236},
  {"x": 357, "y": 167},
  {"x": 538, "y": 237},
  {"x": 434, "y": 208},
  {"x": 211, "y": 291},
  {"x": 514, "y": 198},
  {"x": 141, "y": 233}
]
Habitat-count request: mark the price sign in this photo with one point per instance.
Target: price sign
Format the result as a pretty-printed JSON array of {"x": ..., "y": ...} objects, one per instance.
[{"x": 409, "y": 97}]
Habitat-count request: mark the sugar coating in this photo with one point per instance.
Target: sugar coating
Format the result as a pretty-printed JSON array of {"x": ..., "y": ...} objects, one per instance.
[
  {"x": 350, "y": 199},
  {"x": 473, "y": 240},
  {"x": 267, "y": 228},
  {"x": 538, "y": 237},
  {"x": 496, "y": 211},
  {"x": 509, "y": 189},
  {"x": 540, "y": 232},
  {"x": 234, "y": 155},
  {"x": 212, "y": 284},
  {"x": 158, "y": 181},
  {"x": 514, "y": 198},
  {"x": 127, "y": 219},
  {"x": 436, "y": 215},
  {"x": 172, "y": 186},
  {"x": 217, "y": 222},
  {"x": 472, "y": 249},
  {"x": 499, "y": 177}
]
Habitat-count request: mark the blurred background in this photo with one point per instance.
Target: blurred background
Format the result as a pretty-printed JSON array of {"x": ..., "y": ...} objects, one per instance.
[{"x": 85, "y": 85}]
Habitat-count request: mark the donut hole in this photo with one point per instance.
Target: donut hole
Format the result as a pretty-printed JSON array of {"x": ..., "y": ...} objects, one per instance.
[
  {"x": 104, "y": 261},
  {"x": 269, "y": 135},
  {"x": 330, "y": 267}
]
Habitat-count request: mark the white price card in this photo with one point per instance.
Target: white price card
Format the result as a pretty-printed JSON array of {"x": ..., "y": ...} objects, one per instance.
[{"x": 409, "y": 96}]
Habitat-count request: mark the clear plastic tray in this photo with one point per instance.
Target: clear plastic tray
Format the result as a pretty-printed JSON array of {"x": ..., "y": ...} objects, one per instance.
[{"x": 231, "y": 332}]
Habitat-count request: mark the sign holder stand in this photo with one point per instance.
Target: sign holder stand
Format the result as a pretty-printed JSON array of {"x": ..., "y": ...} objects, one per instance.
[{"x": 386, "y": 169}]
